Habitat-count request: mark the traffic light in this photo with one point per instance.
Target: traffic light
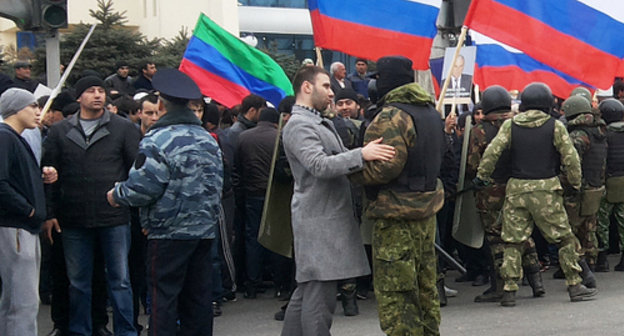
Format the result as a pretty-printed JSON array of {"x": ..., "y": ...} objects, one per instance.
[
  {"x": 25, "y": 13},
  {"x": 53, "y": 14}
]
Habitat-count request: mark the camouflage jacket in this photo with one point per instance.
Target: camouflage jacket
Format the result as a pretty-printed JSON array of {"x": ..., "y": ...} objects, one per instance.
[
  {"x": 176, "y": 179},
  {"x": 478, "y": 142},
  {"x": 533, "y": 118},
  {"x": 397, "y": 129},
  {"x": 581, "y": 139}
]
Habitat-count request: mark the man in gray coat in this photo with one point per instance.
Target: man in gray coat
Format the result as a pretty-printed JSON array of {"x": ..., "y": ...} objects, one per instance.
[{"x": 328, "y": 245}]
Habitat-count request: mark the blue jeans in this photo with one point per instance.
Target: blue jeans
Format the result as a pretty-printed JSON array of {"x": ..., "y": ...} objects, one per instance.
[{"x": 115, "y": 243}]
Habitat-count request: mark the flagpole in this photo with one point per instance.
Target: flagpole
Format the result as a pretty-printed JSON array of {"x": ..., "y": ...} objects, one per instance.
[
  {"x": 319, "y": 57},
  {"x": 460, "y": 43}
]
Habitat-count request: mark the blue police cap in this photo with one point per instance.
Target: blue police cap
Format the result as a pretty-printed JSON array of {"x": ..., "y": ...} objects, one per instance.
[{"x": 173, "y": 83}]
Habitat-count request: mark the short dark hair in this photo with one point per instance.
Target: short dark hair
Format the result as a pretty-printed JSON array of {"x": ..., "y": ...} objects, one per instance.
[
  {"x": 359, "y": 59},
  {"x": 125, "y": 104},
  {"x": 617, "y": 87},
  {"x": 145, "y": 63},
  {"x": 211, "y": 115},
  {"x": 285, "y": 106},
  {"x": 306, "y": 74},
  {"x": 150, "y": 98},
  {"x": 254, "y": 101}
]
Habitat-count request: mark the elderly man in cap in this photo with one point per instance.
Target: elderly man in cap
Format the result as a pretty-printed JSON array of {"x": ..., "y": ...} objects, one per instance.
[
  {"x": 92, "y": 150},
  {"x": 22, "y": 205},
  {"x": 177, "y": 180},
  {"x": 22, "y": 76},
  {"x": 404, "y": 195}
]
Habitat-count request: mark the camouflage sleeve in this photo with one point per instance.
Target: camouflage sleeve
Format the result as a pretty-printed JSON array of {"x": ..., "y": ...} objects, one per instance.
[
  {"x": 397, "y": 129},
  {"x": 581, "y": 142},
  {"x": 476, "y": 147},
  {"x": 147, "y": 179},
  {"x": 569, "y": 157},
  {"x": 494, "y": 150}
]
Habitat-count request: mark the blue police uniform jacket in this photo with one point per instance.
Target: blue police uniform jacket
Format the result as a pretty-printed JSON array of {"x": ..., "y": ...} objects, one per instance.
[{"x": 176, "y": 179}]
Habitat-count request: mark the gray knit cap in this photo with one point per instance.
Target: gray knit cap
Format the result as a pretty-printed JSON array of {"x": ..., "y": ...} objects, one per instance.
[{"x": 14, "y": 100}]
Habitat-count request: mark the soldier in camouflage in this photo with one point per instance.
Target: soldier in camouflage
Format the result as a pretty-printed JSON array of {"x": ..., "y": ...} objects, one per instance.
[
  {"x": 612, "y": 112},
  {"x": 588, "y": 134},
  {"x": 176, "y": 181},
  {"x": 405, "y": 195},
  {"x": 496, "y": 103},
  {"x": 538, "y": 144}
]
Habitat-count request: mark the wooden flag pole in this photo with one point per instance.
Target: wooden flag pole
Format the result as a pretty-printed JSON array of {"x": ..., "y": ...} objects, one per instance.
[
  {"x": 319, "y": 57},
  {"x": 69, "y": 68},
  {"x": 460, "y": 43}
]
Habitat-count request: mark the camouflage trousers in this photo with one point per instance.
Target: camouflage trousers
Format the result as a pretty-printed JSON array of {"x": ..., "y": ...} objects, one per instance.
[
  {"x": 490, "y": 202},
  {"x": 404, "y": 273},
  {"x": 545, "y": 210},
  {"x": 604, "y": 221},
  {"x": 584, "y": 228}
]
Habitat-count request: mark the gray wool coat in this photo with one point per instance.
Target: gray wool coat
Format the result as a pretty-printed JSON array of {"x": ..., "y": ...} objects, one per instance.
[{"x": 328, "y": 244}]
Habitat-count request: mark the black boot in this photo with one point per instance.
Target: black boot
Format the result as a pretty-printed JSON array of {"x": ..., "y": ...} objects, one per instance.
[
  {"x": 602, "y": 264},
  {"x": 494, "y": 293},
  {"x": 589, "y": 280},
  {"x": 581, "y": 293},
  {"x": 509, "y": 299},
  {"x": 620, "y": 266},
  {"x": 534, "y": 277},
  {"x": 441, "y": 292},
  {"x": 349, "y": 299},
  {"x": 558, "y": 274}
]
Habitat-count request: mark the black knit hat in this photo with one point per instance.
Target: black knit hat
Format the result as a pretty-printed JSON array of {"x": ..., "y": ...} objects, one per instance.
[
  {"x": 394, "y": 71},
  {"x": 86, "y": 82},
  {"x": 346, "y": 93},
  {"x": 269, "y": 114}
]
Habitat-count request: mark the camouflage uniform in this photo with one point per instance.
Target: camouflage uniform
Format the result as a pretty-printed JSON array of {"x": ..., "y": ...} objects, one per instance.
[
  {"x": 607, "y": 208},
  {"x": 584, "y": 227},
  {"x": 404, "y": 259},
  {"x": 490, "y": 199},
  {"x": 176, "y": 180},
  {"x": 535, "y": 201}
]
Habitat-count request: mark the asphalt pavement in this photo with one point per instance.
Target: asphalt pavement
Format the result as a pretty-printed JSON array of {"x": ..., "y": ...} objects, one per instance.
[{"x": 553, "y": 314}]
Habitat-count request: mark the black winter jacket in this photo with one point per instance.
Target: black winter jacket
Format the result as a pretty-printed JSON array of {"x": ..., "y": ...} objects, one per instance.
[
  {"x": 87, "y": 169},
  {"x": 21, "y": 186}
]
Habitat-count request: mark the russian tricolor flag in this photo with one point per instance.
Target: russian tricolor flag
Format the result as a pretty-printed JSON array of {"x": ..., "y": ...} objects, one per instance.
[
  {"x": 227, "y": 69},
  {"x": 499, "y": 64},
  {"x": 376, "y": 28},
  {"x": 580, "y": 38}
]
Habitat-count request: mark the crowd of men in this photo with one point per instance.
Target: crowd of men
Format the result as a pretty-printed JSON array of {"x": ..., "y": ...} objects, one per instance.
[{"x": 148, "y": 195}]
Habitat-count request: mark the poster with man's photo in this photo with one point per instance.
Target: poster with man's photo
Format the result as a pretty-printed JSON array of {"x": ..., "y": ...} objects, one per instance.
[{"x": 461, "y": 73}]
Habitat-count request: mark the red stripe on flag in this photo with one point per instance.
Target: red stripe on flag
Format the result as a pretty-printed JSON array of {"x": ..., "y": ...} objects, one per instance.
[
  {"x": 369, "y": 42},
  {"x": 514, "y": 78},
  {"x": 213, "y": 86},
  {"x": 547, "y": 45}
]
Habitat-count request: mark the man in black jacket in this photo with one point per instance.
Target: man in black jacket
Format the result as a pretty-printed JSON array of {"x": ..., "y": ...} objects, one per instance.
[
  {"x": 22, "y": 211},
  {"x": 91, "y": 151}
]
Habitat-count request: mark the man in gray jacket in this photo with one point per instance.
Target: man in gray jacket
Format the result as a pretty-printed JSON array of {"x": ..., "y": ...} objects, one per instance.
[{"x": 328, "y": 245}]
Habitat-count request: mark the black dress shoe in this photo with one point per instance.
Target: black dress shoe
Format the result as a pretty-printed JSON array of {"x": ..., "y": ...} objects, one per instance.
[
  {"x": 102, "y": 331},
  {"x": 55, "y": 332}
]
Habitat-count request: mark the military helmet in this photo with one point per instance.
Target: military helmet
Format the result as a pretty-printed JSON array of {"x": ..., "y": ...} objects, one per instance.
[
  {"x": 583, "y": 92},
  {"x": 574, "y": 106},
  {"x": 495, "y": 98},
  {"x": 612, "y": 110},
  {"x": 536, "y": 96}
]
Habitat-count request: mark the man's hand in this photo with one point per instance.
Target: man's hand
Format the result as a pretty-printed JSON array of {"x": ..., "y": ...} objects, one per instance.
[
  {"x": 50, "y": 175},
  {"x": 48, "y": 226},
  {"x": 450, "y": 123},
  {"x": 375, "y": 150},
  {"x": 111, "y": 199}
]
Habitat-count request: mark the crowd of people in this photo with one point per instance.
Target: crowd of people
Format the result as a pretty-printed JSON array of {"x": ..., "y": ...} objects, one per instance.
[{"x": 140, "y": 194}]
